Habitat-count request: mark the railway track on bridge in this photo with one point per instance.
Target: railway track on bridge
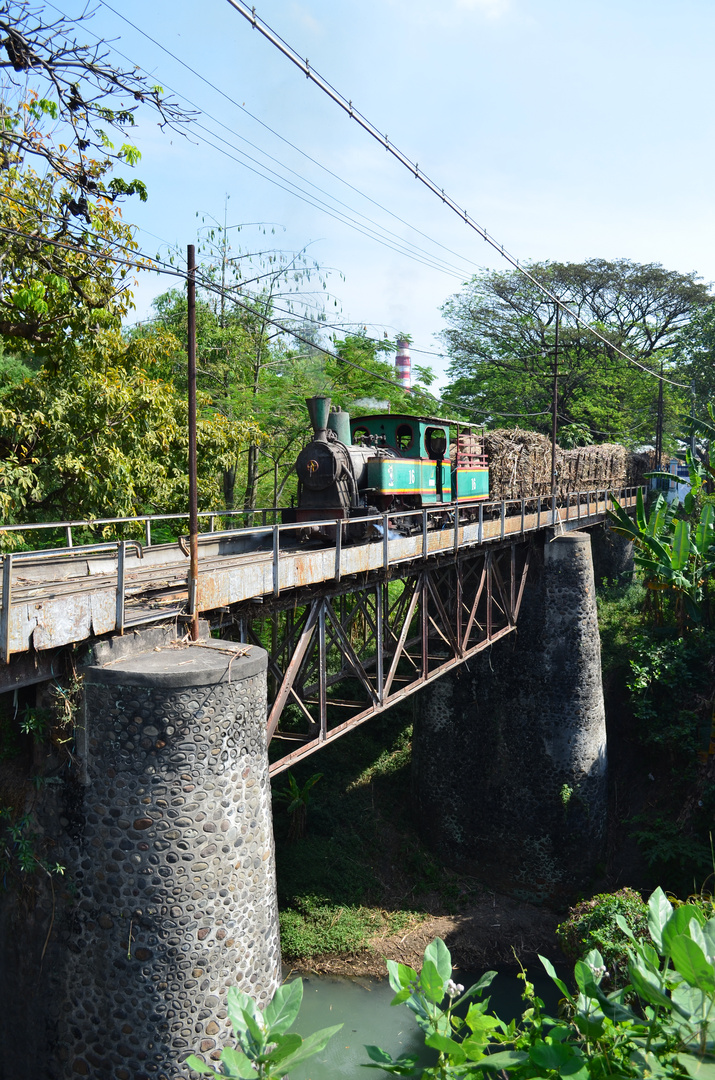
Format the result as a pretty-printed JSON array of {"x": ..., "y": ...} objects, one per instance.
[{"x": 66, "y": 596}]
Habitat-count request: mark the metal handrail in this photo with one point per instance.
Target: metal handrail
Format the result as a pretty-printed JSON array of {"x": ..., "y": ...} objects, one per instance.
[
  {"x": 140, "y": 519},
  {"x": 12, "y": 558}
]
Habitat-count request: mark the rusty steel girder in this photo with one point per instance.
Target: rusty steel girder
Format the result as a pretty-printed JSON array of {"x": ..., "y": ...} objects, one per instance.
[{"x": 339, "y": 658}]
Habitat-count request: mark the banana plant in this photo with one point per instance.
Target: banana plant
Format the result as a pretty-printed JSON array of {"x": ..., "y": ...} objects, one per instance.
[{"x": 676, "y": 554}]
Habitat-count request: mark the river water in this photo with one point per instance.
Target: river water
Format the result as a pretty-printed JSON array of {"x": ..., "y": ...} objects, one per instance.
[{"x": 363, "y": 1007}]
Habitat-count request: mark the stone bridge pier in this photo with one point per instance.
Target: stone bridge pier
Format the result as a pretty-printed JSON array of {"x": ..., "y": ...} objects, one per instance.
[
  {"x": 169, "y": 894},
  {"x": 509, "y": 753}
]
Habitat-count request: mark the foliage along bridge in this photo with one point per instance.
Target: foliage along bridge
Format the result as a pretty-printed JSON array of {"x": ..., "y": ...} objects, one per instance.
[{"x": 350, "y": 629}]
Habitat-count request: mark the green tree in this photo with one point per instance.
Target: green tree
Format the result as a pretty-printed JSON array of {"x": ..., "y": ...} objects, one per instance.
[
  {"x": 501, "y": 338},
  {"x": 56, "y": 288},
  {"x": 62, "y": 240},
  {"x": 695, "y": 351},
  {"x": 103, "y": 435},
  {"x": 675, "y": 543}
]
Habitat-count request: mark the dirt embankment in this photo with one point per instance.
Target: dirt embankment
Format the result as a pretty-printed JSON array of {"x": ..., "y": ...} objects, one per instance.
[{"x": 491, "y": 931}]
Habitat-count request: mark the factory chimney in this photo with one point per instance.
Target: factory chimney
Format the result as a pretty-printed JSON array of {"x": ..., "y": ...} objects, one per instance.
[{"x": 402, "y": 363}]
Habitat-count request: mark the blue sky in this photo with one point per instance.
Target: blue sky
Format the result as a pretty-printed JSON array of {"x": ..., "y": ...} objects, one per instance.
[{"x": 569, "y": 128}]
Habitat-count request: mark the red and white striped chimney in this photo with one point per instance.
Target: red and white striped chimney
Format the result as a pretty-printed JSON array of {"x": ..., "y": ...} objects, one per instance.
[{"x": 402, "y": 364}]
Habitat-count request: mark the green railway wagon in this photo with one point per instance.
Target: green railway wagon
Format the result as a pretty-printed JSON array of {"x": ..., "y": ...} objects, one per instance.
[
  {"x": 411, "y": 477},
  {"x": 425, "y": 450}
]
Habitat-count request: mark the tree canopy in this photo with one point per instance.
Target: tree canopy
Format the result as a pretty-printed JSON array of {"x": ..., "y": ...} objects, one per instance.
[
  {"x": 695, "y": 352},
  {"x": 81, "y": 93},
  {"x": 501, "y": 337},
  {"x": 106, "y": 436}
]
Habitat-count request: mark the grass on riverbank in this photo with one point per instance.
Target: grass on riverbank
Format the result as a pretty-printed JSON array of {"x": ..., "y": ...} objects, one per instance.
[{"x": 360, "y": 872}]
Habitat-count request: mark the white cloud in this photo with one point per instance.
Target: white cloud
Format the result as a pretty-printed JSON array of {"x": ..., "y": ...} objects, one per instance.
[
  {"x": 450, "y": 12},
  {"x": 492, "y": 9}
]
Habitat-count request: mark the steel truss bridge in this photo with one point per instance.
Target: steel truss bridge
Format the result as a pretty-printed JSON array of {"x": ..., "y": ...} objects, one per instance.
[{"x": 350, "y": 629}]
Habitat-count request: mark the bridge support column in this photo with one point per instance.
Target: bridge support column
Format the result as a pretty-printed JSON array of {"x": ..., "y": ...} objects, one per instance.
[
  {"x": 612, "y": 556},
  {"x": 509, "y": 753},
  {"x": 168, "y": 846}
]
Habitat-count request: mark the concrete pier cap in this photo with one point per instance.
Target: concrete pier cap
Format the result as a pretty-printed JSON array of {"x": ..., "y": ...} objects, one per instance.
[{"x": 172, "y": 857}]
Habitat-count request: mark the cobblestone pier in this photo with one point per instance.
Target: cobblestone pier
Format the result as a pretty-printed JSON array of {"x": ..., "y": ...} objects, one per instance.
[{"x": 168, "y": 847}]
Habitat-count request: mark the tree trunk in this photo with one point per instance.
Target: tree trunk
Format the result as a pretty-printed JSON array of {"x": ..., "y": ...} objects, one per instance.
[
  {"x": 249, "y": 501},
  {"x": 229, "y": 487}
]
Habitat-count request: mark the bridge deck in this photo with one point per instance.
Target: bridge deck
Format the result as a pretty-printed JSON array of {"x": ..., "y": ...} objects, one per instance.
[{"x": 54, "y": 598}]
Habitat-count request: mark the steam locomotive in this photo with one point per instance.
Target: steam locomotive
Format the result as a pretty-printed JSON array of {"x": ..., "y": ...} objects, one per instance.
[{"x": 385, "y": 463}]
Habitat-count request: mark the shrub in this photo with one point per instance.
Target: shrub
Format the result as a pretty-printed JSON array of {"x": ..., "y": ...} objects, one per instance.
[{"x": 593, "y": 924}]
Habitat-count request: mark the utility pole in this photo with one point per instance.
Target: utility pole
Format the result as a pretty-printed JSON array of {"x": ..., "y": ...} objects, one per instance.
[
  {"x": 193, "y": 483},
  {"x": 554, "y": 404},
  {"x": 659, "y": 423}
]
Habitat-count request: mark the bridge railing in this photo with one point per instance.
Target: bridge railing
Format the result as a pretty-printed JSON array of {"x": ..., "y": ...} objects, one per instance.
[
  {"x": 512, "y": 517},
  {"x": 475, "y": 523},
  {"x": 269, "y": 516},
  {"x": 266, "y": 515}
]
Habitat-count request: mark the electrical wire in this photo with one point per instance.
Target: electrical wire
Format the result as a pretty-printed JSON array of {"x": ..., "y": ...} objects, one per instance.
[
  {"x": 317, "y": 204},
  {"x": 275, "y": 133},
  {"x": 347, "y": 106},
  {"x": 210, "y": 286},
  {"x": 372, "y": 231}
]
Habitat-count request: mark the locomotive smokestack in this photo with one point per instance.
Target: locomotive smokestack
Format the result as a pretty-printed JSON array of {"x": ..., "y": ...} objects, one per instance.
[
  {"x": 319, "y": 411},
  {"x": 402, "y": 364}
]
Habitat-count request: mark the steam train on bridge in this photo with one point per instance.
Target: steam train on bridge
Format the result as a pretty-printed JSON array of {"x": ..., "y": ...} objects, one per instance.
[{"x": 398, "y": 464}]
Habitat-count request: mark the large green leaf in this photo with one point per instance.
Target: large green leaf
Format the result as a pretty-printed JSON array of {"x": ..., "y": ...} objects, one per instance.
[
  {"x": 440, "y": 956},
  {"x": 681, "y": 545},
  {"x": 549, "y": 1055},
  {"x": 697, "y": 1068},
  {"x": 445, "y": 1045},
  {"x": 621, "y": 522},
  {"x": 659, "y": 911},
  {"x": 235, "y": 1063},
  {"x": 705, "y": 531},
  {"x": 692, "y": 963},
  {"x": 239, "y": 1004},
  {"x": 431, "y": 982},
  {"x": 401, "y": 1066},
  {"x": 505, "y": 1059},
  {"x": 282, "y": 1010},
  {"x": 679, "y": 923},
  {"x": 648, "y": 985},
  {"x": 709, "y": 935},
  {"x": 400, "y": 975},
  {"x": 661, "y": 550},
  {"x": 551, "y": 972},
  {"x": 657, "y": 517},
  {"x": 312, "y": 1044},
  {"x": 201, "y": 1067},
  {"x": 283, "y": 1046}
]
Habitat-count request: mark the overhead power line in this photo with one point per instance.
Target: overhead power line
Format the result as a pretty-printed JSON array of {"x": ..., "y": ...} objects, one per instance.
[
  {"x": 435, "y": 261},
  {"x": 347, "y": 106},
  {"x": 158, "y": 267}
]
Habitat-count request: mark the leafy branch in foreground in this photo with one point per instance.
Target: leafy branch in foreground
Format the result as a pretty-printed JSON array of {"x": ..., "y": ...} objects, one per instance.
[
  {"x": 661, "y": 1024},
  {"x": 676, "y": 545},
  {"x": 266, "y": 1050},
  {"x": 80, "y": 93}
]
